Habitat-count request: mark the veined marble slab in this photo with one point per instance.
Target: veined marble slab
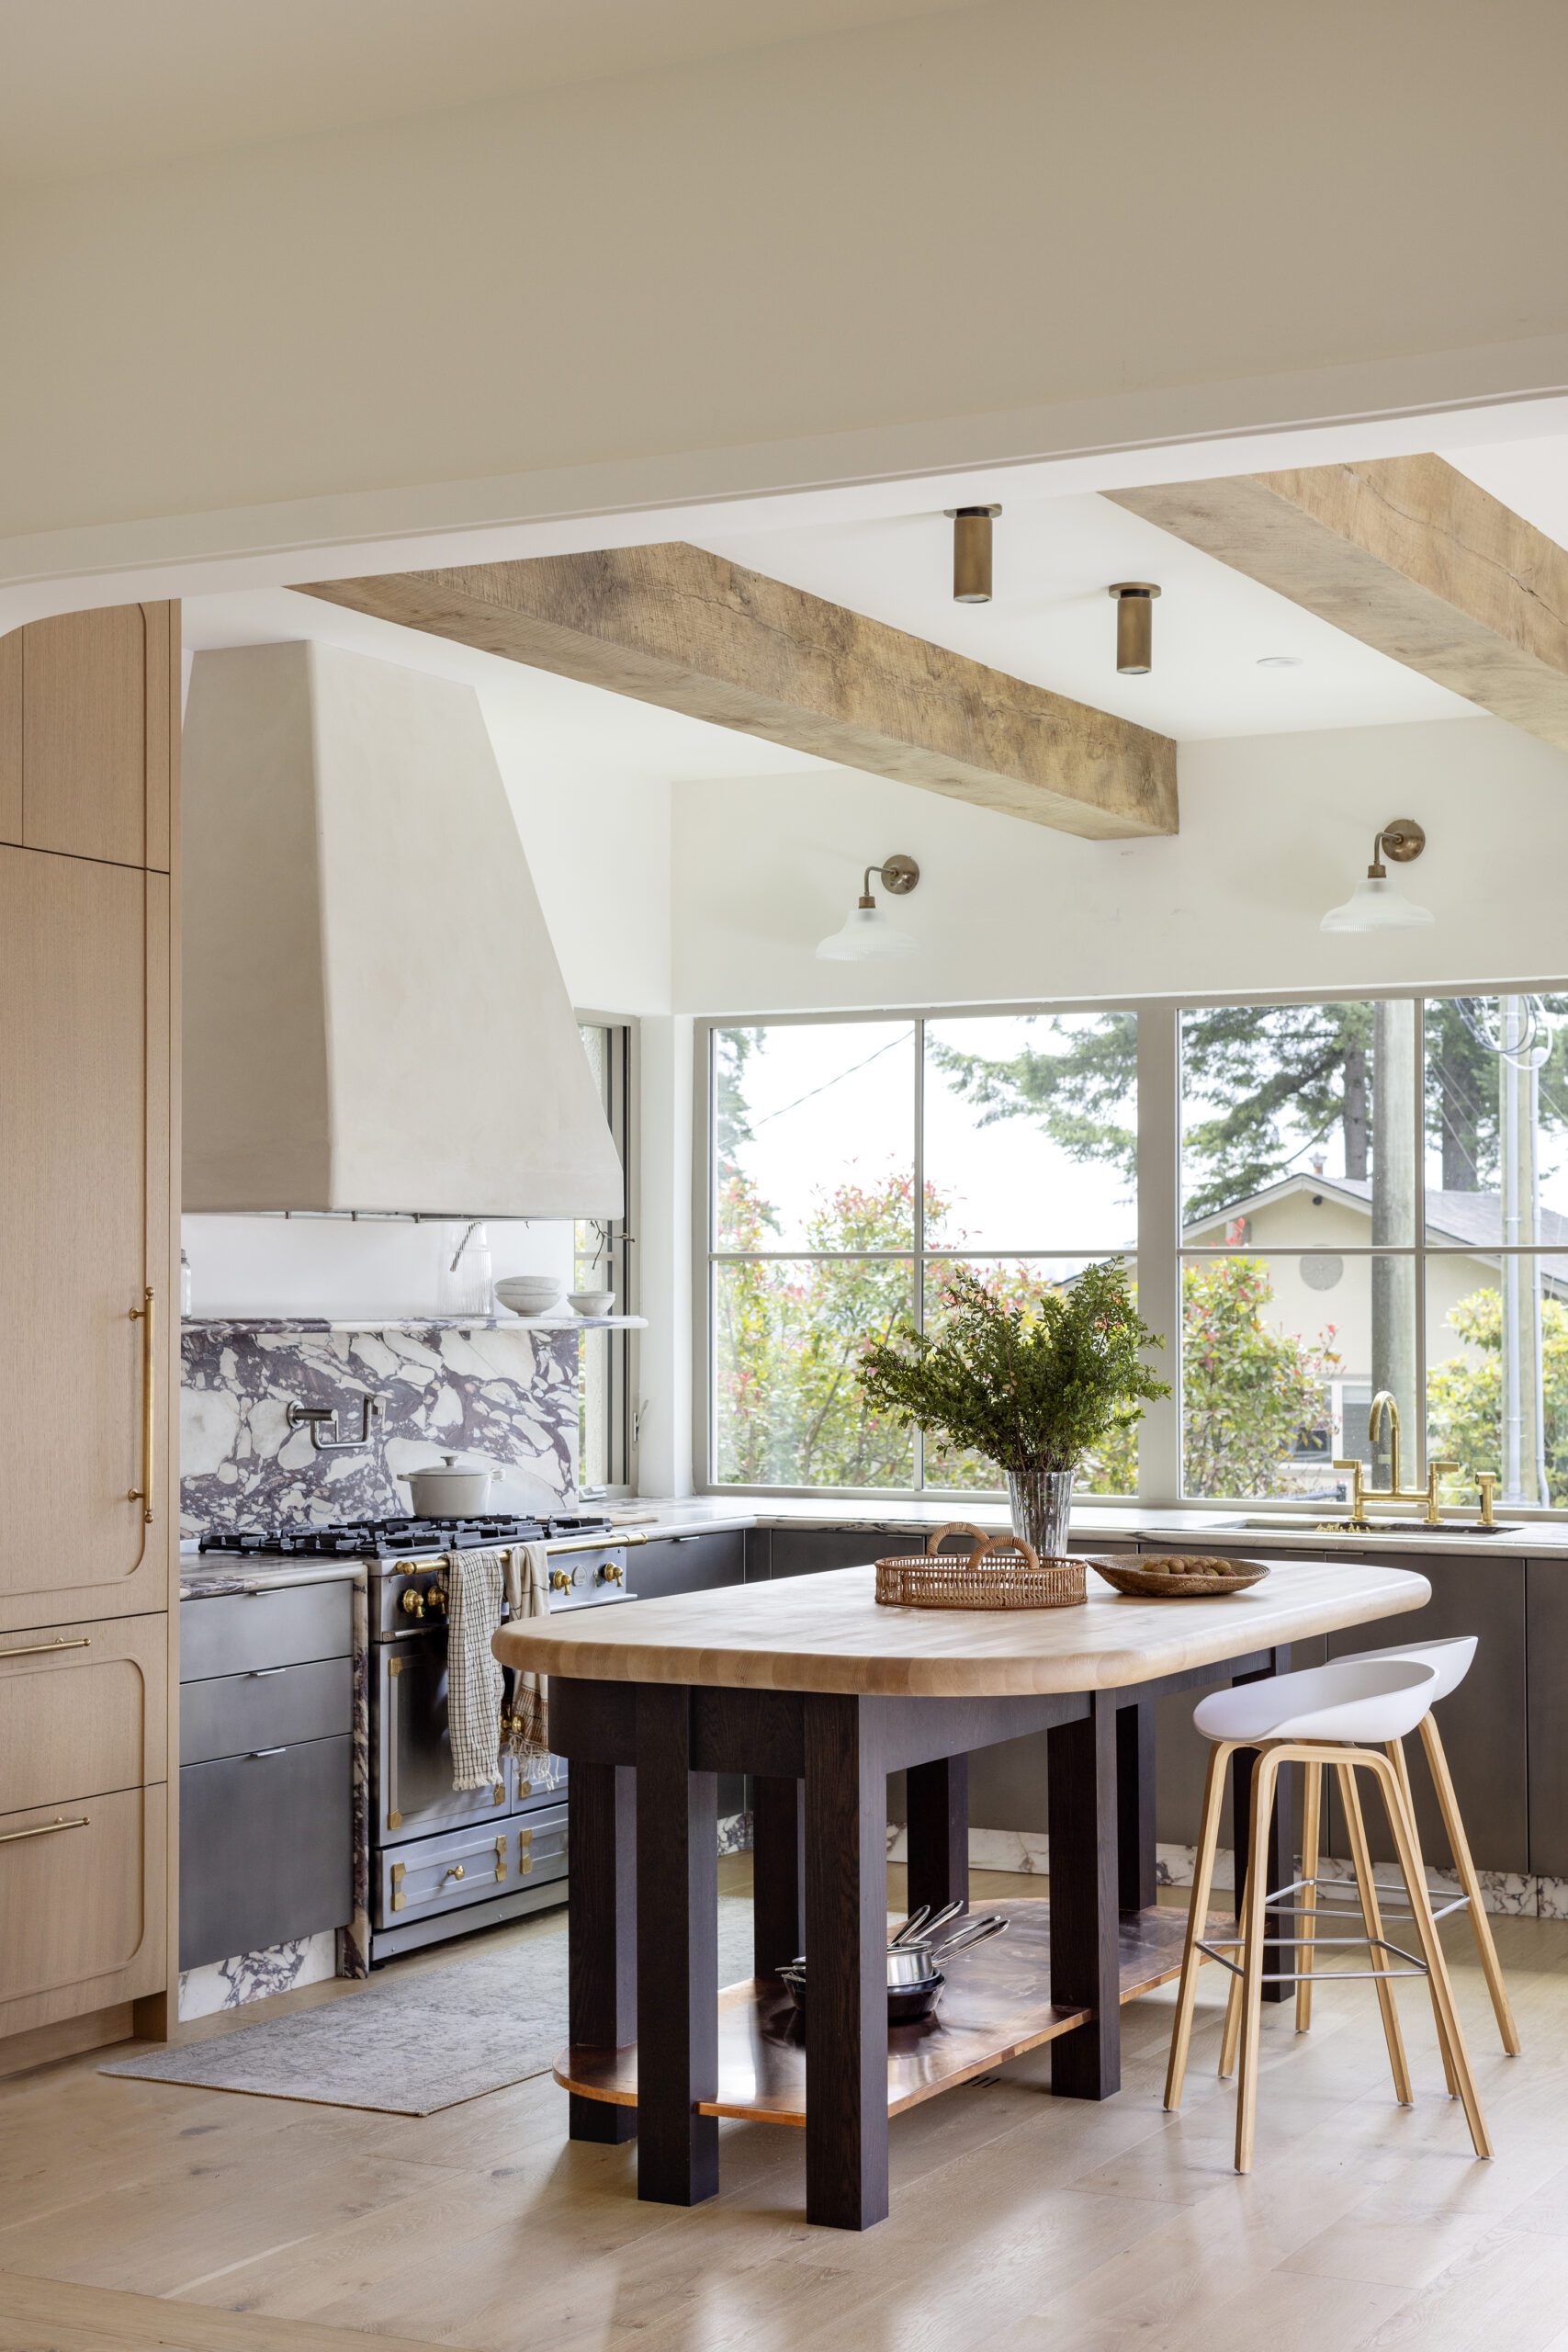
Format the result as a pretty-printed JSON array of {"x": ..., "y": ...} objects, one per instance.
[{"x": 501, "y": 1392}]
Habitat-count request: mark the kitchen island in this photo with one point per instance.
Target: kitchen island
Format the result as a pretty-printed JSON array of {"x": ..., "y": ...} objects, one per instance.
[{"x": 820, "y": 1695}]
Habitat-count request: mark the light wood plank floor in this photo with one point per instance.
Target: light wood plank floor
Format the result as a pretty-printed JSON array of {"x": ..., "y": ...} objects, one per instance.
[{"x": 138, "y": 2214}]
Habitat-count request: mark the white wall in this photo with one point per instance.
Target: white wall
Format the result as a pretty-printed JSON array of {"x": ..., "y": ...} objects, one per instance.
[
  {"x": 1081, "y": 226},
  {"x": 1274, "y": 830}
]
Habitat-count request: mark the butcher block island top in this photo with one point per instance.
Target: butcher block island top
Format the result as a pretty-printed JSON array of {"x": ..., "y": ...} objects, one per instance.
[{"x": 829, "y": 1633}]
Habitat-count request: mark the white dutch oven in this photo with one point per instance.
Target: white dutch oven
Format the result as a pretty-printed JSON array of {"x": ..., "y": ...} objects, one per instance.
[{"x": 444, "y": 1490}]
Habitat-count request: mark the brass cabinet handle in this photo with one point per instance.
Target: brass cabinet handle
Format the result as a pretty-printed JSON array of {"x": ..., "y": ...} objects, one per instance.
[
  {"x": 47, "y": 1649},
  {"x": 46, "y": 1829},
  {"x": 146, "y": 1315}
]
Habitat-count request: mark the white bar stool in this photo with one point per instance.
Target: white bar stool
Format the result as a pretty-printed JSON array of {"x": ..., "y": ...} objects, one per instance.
[
  {"x": 1451, "y": 1661},
  {"x": 1345, "y": 1716}
]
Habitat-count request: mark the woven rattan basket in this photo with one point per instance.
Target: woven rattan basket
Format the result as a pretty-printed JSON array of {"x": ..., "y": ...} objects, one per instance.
[{"x": 1001, "y": 1572}]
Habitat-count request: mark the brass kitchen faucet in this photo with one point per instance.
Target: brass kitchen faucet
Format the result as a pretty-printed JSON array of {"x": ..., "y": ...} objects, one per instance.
[{"x": 1361, "y": 1494}]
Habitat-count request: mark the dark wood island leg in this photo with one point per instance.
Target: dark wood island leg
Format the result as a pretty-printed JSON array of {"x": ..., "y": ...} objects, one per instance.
[
  {"x": 677, "y": 1922},
  {"x": 1138, "y": 1876},
  {"x": 602, "y": 1931},
  {"x": 1279, "y": 1862},
  {"x": 778, "y": 1873},
  {"x": 939, "y": 1832},
  {"x": 1080, "y": 1767},
  {"x": 846, "y": 1933}
]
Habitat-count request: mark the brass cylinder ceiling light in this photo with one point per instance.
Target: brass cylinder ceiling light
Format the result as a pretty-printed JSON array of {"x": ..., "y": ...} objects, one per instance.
[
  {"x": 972, "y": 552},
  {"x": 1134, "y": 627}
]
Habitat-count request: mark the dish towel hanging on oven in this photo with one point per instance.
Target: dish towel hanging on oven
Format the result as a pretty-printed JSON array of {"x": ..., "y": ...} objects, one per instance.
[
  {"x": 474, "y": 1681},
  {"x": 528, "y": 1727}
]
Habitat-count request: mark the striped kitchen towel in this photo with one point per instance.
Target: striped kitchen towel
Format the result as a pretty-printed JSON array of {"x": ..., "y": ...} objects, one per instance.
[
  {"x": 528, "y": 1729},
  {"x": 474, "y": 1681}
]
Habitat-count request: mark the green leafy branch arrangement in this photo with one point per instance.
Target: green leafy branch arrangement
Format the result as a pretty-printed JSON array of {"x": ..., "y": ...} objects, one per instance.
[{"x": 1031, "y": 1389}]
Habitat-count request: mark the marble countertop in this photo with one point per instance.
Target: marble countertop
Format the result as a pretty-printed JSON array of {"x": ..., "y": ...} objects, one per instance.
[
  {"x": 207, "y": 1576},
  {"x": 651, "y": 1518}
]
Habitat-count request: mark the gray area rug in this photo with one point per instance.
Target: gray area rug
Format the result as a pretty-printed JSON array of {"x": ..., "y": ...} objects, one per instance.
[{"x": 414, "y": 2040}]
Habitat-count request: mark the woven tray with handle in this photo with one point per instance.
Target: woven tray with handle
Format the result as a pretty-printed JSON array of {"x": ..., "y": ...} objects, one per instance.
[{"x": 1001, "y": 1572}]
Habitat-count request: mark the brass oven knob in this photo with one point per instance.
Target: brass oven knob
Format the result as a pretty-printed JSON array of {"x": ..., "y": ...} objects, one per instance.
[
  {"x": 436, "y": 1598},
  {"x": 560, "y": 1581},
  {"x": 612, "y": 1575},
  {"x": 413, "y": 1603}
]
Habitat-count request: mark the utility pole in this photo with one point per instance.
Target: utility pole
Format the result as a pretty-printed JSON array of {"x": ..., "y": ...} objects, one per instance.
[
  {"x": 1519, "y": 1102},
  {"x": 1394, "y": 1131}
]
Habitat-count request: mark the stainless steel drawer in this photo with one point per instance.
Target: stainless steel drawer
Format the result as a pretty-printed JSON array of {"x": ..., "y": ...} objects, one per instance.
[
  {"x": 266, "y": 1849},
  {"x": 233, "y": 1632},
  {"x": 541, "y": 1845},
  {"x": 445, "y": 1874},
  {"x": 272, "y": 1707},
  {"x": 530, "y": 1794}
]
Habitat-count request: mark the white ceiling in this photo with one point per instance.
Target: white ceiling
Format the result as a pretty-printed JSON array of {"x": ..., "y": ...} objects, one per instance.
[
  {"x": 1529, "y": 476},
  {"x": 1051, "y": 620},
  {"x": 93, "y": 85}
]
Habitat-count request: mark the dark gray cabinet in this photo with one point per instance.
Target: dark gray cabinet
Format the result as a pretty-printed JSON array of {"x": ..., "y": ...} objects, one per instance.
[
  {"x": 266, "y": 1849},
  {"x": 1546, "y": 1686},
  {"x": 694, "y": 1562},
  {"x": 811, "y": 1550},
  {"x": 266, "y": 1714},
  {"x": 1483, "y": 1725}
]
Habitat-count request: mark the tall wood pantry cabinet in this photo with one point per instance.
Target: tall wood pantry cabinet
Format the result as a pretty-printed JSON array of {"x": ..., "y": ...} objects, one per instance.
[{"x": 89, "y": 1307}]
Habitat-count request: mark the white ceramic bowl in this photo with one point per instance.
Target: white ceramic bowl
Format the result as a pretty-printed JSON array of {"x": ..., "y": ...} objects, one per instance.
[
  {"x": 529, "y": 1294},
  {"x": 591, "y": 1301}
]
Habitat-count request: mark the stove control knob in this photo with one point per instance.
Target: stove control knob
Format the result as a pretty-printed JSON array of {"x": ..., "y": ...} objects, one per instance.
[
  {"x": 560, "y": 1580},
  {"x": 413, "y": 1603},
  {"x": 435, "y": 1599},
  {"x": 611, "y": 1574}
]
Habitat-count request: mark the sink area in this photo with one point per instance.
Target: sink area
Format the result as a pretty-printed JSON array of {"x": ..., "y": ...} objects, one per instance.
[{"x": 1278, "y": 1522}]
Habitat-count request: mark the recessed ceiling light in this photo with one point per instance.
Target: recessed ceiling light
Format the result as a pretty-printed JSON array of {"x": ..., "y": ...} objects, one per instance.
[{"x": 1279, "y": 661}]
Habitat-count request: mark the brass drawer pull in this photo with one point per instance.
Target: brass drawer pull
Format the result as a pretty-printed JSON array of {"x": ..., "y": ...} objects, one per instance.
[
  {"x": 46, "y": 1829},
  {"x": 146, "y": 1316},
  {"x": 47, "y": 1649}
]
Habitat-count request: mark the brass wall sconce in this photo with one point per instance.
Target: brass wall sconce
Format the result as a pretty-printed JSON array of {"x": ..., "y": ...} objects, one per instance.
[
  {"x": 1377, "y": 902},
  {"x": 1134, "y": 627},
  {"x": 971, "y": 552},
  {"x": 867, "y": 934}
]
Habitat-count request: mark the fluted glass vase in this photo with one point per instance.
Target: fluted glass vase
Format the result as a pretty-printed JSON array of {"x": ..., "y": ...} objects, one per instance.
[{"x": 1040, "y": 1505}]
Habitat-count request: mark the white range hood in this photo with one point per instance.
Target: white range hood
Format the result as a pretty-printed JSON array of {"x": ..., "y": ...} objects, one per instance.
[{"x": 374, "y": 1015}]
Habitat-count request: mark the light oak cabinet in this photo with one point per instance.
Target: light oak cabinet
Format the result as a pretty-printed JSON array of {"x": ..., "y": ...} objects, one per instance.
[
  {"x": 82, "y": 1895},
  {"x": 88, "y": 1376},
  {"x": 91, "y": 714},
  {"x": 85, "y": 1175}
]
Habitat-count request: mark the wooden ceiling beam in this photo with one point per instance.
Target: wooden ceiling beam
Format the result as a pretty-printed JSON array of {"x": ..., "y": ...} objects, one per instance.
[
  {"x": 676, "y": 626},
  {"x": 1409, "y": 556}
]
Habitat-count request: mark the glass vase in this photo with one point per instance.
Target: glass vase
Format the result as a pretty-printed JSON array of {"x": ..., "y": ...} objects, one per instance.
[{"x": 1040, "y": 1503}]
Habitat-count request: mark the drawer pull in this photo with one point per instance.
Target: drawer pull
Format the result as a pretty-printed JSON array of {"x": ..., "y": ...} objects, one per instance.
[
  {"x": 501, "y": 1861},
  {"x": 259, "y": 1673},
  {"x": 147, "y": 1316},
  {"x": 398, "y": 1871},
  {"x": 46, "y": 1829},
  {"x": 257, "y": 1752},
  {"x": 456, "y": 1871},
  {"x": 47, "y": 1649}
]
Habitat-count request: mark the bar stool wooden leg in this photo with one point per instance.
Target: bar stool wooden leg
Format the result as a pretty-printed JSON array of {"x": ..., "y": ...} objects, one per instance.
[
  {"x": 1263, "y": 1780},
  {"x": 1311, "y": 1838},
  {"x": 1230, "y": 2036},
  {"x": 1459, "y": 1846},
  {"x": 1395, "y": 1753},
  {"x": 1431, "y": 1949},
  {"x": 1197, "y": 1922},
  {"x": 1371, "y": 1920}
]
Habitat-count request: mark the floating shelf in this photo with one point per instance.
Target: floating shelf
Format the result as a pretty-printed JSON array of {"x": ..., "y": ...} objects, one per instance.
[{"x": 993, "y": 2009}]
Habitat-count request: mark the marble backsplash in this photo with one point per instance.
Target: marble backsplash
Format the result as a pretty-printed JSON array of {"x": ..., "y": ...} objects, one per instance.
[{"x": 496, "y": 1392}]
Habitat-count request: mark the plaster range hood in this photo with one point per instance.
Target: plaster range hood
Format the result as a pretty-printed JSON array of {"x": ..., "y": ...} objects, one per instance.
[{"x": 374, "y": 1016}]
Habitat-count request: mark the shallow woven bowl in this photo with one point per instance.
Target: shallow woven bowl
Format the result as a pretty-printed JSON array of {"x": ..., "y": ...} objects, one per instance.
[{"x": 1145, "y": 1583}]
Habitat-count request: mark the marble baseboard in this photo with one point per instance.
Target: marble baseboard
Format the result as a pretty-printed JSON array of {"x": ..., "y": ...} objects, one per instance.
[
  {"x": 251, "y": 1975},
  {"x": 1507, "y": 1894}
]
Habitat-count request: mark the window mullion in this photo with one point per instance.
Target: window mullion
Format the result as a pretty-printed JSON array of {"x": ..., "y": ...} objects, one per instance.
[
  {"x": 918, "y": 1302},
  {"x": 1159, "y": 1226}
]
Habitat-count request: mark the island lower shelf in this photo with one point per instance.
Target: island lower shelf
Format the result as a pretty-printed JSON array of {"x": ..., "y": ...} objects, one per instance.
[{"x": 992, "y": 2010}]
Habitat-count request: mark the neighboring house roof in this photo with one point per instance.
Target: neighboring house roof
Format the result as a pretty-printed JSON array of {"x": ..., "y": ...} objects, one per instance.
[{"x": 1472, "y": 1219}]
